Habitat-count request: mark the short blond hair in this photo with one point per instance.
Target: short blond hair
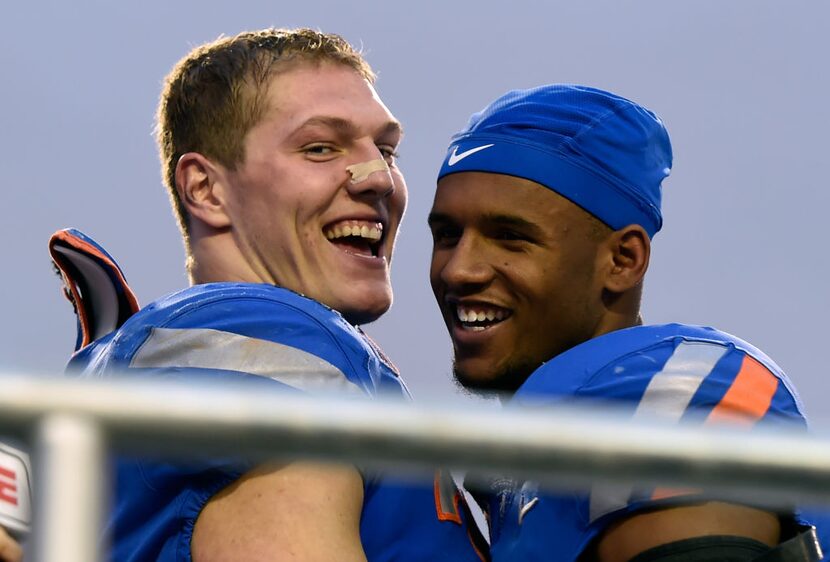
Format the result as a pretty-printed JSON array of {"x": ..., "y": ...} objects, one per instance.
[{"x": 215, "y": 94}]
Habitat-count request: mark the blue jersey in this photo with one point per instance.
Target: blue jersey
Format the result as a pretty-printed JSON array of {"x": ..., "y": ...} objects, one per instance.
[
  {"x": 679, "y": 373},
  {"x": 231, "y": 332}
]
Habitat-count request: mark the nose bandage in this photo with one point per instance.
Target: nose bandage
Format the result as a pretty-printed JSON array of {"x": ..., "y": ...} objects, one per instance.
[{"x": 363, "y": 170}]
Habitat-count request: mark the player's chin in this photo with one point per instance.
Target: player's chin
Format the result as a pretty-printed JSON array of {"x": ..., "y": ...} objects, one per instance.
[
  {"x": 367, "y": 307},
  {"x": 478, "y": 375}
]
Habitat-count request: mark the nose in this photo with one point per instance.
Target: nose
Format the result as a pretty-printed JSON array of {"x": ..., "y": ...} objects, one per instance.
[
  {"x": 463, "y": 267},
  {"x": 371, "y": 177}
]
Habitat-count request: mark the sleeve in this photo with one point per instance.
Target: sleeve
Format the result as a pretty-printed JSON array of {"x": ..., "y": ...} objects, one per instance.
[
  {"x": 693, "y": 382},
  {"x": 697, "y": 382},
  {"x": 157, "y": 504}
]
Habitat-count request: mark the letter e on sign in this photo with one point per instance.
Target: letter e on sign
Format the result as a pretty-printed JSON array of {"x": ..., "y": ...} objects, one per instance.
[
  {"x": 8, "y": 486},
  {"x": 15, "y": 490}
]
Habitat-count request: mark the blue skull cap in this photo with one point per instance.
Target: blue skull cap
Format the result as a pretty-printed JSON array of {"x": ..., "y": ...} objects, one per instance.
[{"x": 601, "y": 151}]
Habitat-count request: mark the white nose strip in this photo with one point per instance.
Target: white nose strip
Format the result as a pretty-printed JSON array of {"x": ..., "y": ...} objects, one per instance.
[{"x": 363, "y": 170}]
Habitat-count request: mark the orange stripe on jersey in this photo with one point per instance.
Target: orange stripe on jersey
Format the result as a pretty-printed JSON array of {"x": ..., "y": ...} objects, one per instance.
[
  {"x": 447, "y": 497},
  {"x": 749, "y": 397},
  {"x": 660, "y": 493},
  {"x": 746, "y": 401}
]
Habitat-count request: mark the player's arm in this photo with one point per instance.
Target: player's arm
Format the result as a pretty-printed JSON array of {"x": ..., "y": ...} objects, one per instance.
[
  {"x": 298, "y": 511},
  {"x": 644, "y": 531},
  {"x": 10, "y": 551}
]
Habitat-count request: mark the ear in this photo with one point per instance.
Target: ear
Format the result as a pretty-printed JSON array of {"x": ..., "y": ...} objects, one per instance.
[
  {"x": 630, "y": 249},
  {"x": 201, "y": 186}
]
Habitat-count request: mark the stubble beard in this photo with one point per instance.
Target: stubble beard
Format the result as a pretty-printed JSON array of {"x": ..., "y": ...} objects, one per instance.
[{"x": 505, "y": 382}]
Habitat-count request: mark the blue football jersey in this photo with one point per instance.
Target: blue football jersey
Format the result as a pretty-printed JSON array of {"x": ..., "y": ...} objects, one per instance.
[
  {"x": 230, "y": 332},
  {"x": 674, "y": 372}
]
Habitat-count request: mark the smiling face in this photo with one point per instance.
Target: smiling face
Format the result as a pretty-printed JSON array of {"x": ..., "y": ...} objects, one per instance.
[
  {"x": 515, "y": 273},
  {"x": 297, "y": 218}
]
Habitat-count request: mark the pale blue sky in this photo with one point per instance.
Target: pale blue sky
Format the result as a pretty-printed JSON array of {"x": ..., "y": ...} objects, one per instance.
[{"x": 742, "y": 86}]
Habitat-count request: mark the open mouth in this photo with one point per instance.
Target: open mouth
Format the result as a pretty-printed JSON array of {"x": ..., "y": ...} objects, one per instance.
[
  {"x": 479, "y": 317},
  {"x": 357, "y": 237}
]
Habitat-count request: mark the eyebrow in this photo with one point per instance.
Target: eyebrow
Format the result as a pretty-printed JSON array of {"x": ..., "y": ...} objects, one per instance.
[
  {"x": 346, "y": 127},
  {"x": 514, "y": 221},
  {"x": 433, "y": 218},
  {"x": 499, "y": 219}
]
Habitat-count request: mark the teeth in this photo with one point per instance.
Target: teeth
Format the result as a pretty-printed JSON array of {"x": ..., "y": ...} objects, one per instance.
[
  {"x": 489, "y": 315},
  {"x": 372, "y": 231}
]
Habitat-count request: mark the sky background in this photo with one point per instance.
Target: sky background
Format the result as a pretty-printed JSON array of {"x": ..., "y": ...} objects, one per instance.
[{"x": 742, "y": 86}]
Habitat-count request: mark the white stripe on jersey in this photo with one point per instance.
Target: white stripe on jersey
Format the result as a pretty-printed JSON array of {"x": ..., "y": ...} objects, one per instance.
[
  {"x": 214, "y": 349},
  {"x": 667, "y": 396},
  {"x": 669, "y": 392}
]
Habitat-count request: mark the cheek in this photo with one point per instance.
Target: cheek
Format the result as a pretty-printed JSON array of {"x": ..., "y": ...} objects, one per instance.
[
  {"x": 551, "y": 293},
  {"x": 309, "y": 239}
]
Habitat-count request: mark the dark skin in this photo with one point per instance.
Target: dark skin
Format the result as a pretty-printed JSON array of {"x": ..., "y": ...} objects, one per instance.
[
  {"x": 510, "y": 246},
  {"x": 543, "y": 275}
]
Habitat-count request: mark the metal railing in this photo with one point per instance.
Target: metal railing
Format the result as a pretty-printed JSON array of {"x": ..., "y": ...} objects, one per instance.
[{"x": 73, "y": 425}]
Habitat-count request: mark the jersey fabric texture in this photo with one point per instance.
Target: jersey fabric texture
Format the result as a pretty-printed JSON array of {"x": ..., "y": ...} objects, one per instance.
[
  {"x": 232, "y": 332},
  {"x": 674, "y": 372}
]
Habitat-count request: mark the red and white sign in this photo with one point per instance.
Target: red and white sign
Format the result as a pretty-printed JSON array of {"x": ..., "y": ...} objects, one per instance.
[{"x": 15, "y": 490}]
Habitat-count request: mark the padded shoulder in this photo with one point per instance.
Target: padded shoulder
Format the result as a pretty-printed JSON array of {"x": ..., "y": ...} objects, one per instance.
[
  {"x": 673, "y": 371},
  {"x": 228, "y": 329}
]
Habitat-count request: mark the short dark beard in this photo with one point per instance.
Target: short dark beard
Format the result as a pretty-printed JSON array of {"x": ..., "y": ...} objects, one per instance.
[{"x": 506, "y": 382}]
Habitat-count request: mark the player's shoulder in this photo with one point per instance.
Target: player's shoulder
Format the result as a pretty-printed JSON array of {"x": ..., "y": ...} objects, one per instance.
[
  {"x": 253, "y": 310},
  {"x": 231, "y": 303},
  {"x": 635, "y": 351},
  {"x": 673, "y": 362},
  {"x": 242, "y": 328}
]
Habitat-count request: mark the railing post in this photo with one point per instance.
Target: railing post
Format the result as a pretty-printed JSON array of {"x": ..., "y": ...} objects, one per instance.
[{"x": 70, "y": 484}]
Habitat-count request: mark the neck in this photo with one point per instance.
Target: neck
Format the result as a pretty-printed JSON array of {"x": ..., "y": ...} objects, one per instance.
[
  {"x": 215, "y": 257},
  {"x": 621, "y": 311}
]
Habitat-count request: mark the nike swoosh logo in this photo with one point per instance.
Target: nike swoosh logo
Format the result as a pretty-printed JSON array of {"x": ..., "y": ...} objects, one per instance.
[{"x": 455, "y": 158}]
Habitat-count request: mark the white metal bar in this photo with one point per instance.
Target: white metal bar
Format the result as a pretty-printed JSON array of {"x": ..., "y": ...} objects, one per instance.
[
  {"x": 556, "y": 446},
  {"x": 70, "y": 484}
]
